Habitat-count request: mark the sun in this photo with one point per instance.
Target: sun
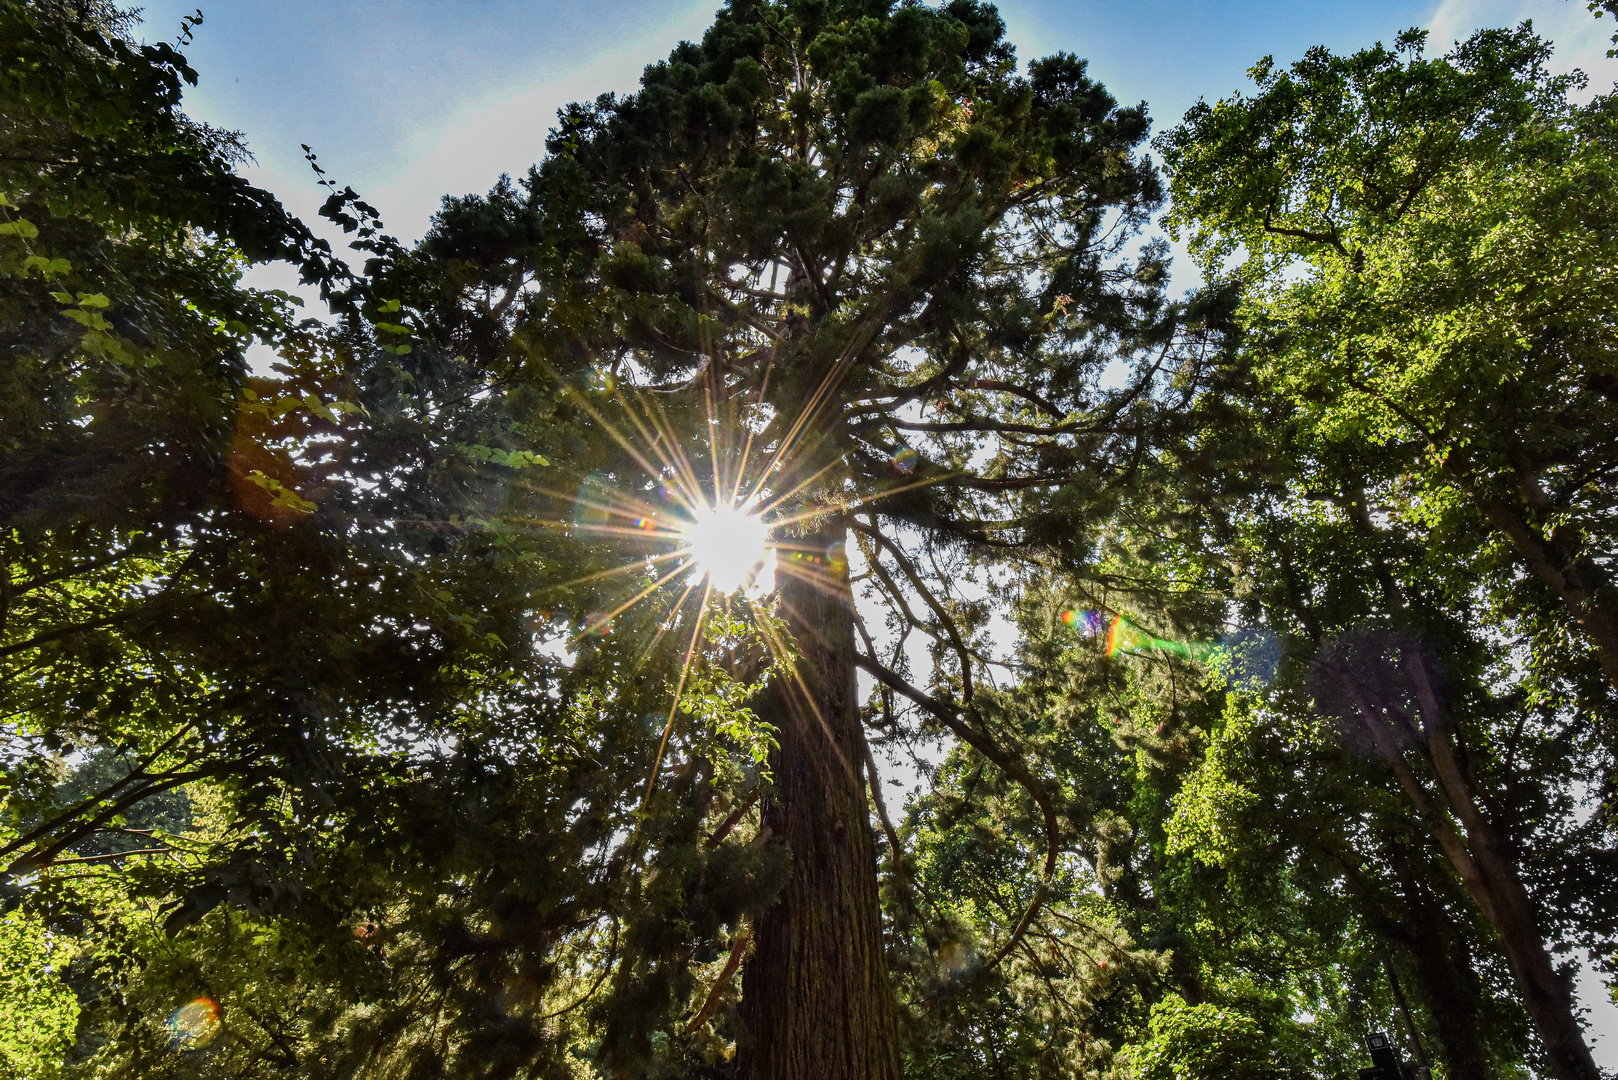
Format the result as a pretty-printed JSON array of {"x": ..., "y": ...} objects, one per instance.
[{"x": 727, "y": 544}]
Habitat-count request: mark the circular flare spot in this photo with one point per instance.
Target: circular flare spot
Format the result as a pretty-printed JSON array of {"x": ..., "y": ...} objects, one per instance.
[{"x": 194, "y": 1024}]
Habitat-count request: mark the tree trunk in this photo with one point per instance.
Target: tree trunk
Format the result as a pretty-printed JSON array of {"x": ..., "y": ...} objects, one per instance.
[
  {"x": 817, "y": 1002},
  {"x": 1546, "y": 995},
  {"x": 1556, "y": 562},
  {"x": 1453, "y": 1007},
  {"x": 1446, "y": 986},
  {"x": 1412, "y": 1032},
  {"x": 1478, "y": 853}
]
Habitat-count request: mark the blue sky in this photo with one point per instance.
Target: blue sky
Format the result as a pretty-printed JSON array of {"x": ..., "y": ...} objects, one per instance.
[{"x": 410, "y": 99}]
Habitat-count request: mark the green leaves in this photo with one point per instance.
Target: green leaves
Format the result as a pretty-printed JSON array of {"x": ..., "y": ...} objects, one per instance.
[
  {"x": 1334, "y": 149},
  {"x": 280, "y": 495},
  {"x": 1208, "y": 809},
  {"x": 395, "y": 335},
  {"x": 1448, "y": 292},
  {"x": 49, "y": 269},
  {"x": 510, "y": 459},
  {"x": 42, "y": 1012},
  {"x": 1201, "y": 1042}
]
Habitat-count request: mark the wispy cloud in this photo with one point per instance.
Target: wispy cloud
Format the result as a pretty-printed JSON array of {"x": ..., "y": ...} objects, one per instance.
[
  {"x": 502, "y": 130},
  {"x": 1581, "y": 39},
  {"x": 407, "y": 105}
]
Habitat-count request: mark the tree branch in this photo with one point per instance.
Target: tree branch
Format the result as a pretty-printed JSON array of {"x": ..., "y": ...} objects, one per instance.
[
  {"x": 1018, "y": 391},
  {"x": 1007, "y": 763},
  {"x": 62, "y": 632},
  {"x": 137, "y": 773},
  {"x": 961, "y": 651},
  {"x": 987, "y": 426}
]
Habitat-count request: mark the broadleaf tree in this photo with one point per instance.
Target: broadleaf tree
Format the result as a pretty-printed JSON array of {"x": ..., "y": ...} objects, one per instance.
[{"x": 1424, "y": 245}]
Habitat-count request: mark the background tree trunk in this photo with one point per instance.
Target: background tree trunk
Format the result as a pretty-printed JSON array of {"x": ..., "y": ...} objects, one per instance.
[
  {"x": 1444, "y": 982},
  {"x": 1478, "y": 853},
  {"x": 816, "y": 997},
  {"x": 1546, "y": 995}
]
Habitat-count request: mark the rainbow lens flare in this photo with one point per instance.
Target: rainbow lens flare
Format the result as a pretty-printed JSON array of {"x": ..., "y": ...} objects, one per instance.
[
  {"x": 1088, "y": 622},
  {"x": 1247, "y": 656},
  {"x": 194, "y": 1024},
  {"x": 1112, "y": 634},
  {"x": 1124, "y": 636}
]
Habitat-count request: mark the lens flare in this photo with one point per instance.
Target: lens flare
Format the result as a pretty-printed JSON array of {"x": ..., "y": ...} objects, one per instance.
[
  {"x": 1125, "y": 637},
  {"x": 1247, "y": 656},
  {"x": 698, "y": 517},
  {"x": 194, "y": 1024},
  {"x": 728, "y": 545},
  {"x": 1088, "y": 622}
]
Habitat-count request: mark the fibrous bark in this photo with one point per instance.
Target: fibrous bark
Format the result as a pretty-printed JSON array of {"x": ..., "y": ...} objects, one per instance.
[{"x": 817, "y": 1001}]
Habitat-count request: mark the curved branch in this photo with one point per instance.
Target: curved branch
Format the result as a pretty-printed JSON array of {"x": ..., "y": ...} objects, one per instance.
[
  {"x": 894, "y": 396},
  {"x": 961, "y": 651},
  {"x": 1331, "y": 238},
  {"x": 1007, "y": 483},
  {"x": 737, "y": 950},
  {"x": 1012, "y": 388},
  {"x": 606, "y": 969},
  {"x": 41, "y": 857},
  {"x": 986, "y": 426},
  {"x": 1010, "y": 765},
  {"x": 897, "y": 596},
  {"x": 733, "y": 820},
  {"x": 901, "y": 878},
  {"x": 62, "y": 632},
  {"x": 137, "y": 773}
]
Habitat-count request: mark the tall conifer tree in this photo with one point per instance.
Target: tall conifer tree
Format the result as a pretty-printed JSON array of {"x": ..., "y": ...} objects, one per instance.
[{"x": 840, "y": 227}]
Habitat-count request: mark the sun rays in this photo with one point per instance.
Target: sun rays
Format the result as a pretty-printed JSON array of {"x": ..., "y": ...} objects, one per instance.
[{"x": 707, "y": 505}]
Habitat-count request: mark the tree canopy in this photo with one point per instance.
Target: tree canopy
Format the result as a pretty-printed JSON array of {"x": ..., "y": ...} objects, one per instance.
[{"x": 511, "y": 680}]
